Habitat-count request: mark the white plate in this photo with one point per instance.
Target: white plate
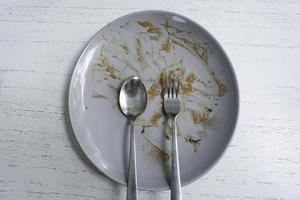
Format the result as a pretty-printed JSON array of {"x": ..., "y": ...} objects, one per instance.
[{"x": 148, "y": 44}]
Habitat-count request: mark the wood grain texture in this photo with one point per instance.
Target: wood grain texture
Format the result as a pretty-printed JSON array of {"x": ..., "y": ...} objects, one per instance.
[{"x": 39, "y": 44}]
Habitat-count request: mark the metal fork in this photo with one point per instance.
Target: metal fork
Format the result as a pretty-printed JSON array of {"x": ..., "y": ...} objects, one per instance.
[{"x": 172, "y": 108}]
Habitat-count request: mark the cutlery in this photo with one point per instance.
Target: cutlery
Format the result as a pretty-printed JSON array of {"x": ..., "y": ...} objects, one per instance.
[
  {"x": 172, "y": 103},
  {"x": 132, "y": 102}
]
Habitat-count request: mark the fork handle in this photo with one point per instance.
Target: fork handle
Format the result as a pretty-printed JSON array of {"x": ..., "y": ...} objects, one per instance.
[{"x": 175, "y": 178}]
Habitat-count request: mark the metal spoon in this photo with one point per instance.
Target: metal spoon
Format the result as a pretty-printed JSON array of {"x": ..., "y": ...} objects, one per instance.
[{"x": 133, "y": 102}]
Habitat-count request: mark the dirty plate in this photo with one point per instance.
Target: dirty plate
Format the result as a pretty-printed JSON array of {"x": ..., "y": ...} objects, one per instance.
[{"x": 149, "y": 44}]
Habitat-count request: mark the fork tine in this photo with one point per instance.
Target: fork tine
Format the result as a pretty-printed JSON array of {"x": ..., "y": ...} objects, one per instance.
[
  {"x": 173, "y": 88},
  {"x": 165, "y": 84},
  {"x": 169, "y": 86},
  {"x": 177, "y": 86}
]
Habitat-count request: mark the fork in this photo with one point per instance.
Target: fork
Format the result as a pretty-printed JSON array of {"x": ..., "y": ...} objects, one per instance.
[{"x": 172, "y": 103}]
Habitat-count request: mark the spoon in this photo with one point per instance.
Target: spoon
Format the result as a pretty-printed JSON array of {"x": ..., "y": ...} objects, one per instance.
[{"x": 133, "y": 102}]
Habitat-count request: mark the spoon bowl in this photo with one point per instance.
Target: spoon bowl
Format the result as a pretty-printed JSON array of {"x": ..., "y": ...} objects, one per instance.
[{"x": 133, "y": 97}]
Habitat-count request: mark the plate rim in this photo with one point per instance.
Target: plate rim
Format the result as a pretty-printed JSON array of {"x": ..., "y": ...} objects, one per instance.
[{"x": 234, "y": 80}]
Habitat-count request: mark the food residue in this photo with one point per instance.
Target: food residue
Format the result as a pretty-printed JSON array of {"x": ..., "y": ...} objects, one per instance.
[
  {"x": 140, "y": 57},
  {"x": 156, "y": 46},
  {"x": 154, "y": 90},
  {"x": 98, "y": 95},
  {"x": 166, "y": 46},
  {"x": 125, "y": 48},
  {"x": 112, "y": 72},
  {"x": 150, "y": 27},
  {"x": 194, "y": 142},
  {"x": 155, "y": 117},
  {"x": 222, "y": 88},
  {"x": 191, "y": 140},
  {"x": 159, "y": 154},
  {"x": 191, "y": 78},
  {"x": 202, "y": 118}
]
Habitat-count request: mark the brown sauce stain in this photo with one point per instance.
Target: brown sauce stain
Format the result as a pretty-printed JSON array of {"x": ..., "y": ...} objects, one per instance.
[
  {"x": 221, "y": 87},
  {"x": 112, "y": 72},
  {"x": 172, "y": 29},
  {"x": 195, "y": 142},
  {"x": 195, "y": 48},
  {"x": 99, "y": 96},
  {"x": 192, "y": 46},
  {"x": 140, "y": 57},
  {"x": 187, "y": 84},
  {"x": 144, "y": 129},
  {"x": 162, "y": 78},
  {"x": 202, "y": 118},
  {"x": 154, "y": 90},
  {"x": 159, "y": 155},
  {"x": 191, "y": 140},
  {"x": 168, "y": 134},
  {"x": 167, "y": 131},
  {"x": 166, "y": 46},
  {"x": 185, "y": 89},
  {"x": 125, "y": 48},
  {"x": 191, "y": 78},
  {"x": 155, "y": 117},
  {"x": 150, "y": 27}
]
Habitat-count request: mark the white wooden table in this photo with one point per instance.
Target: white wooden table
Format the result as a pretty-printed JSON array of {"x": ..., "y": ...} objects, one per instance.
[{"x": 39, "y": 44}]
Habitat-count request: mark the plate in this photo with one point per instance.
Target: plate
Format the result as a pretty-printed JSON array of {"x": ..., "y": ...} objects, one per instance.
[{"x": 150, "y": 44}]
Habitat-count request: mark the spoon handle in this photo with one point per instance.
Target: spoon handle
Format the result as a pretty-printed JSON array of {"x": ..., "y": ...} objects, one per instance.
[
  {"x": 132, "y": 179},
  {"x": 175, "y": 178}
]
